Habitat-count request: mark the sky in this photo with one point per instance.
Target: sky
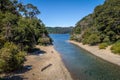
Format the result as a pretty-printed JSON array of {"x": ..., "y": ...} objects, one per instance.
[{"x": 63, "y": 13}]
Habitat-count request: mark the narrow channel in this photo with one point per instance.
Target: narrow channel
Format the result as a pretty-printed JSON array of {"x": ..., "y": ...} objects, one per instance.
[{"x": 81, "y": 64}]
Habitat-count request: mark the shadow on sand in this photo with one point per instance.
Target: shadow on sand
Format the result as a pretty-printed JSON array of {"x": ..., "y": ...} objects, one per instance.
[
  {"x": 17, "y": 75},
  {"x": 36, "y": 51}
]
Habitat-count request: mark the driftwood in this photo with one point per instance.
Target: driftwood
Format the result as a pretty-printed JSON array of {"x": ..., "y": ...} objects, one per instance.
[{"x": 46, "y": 67}]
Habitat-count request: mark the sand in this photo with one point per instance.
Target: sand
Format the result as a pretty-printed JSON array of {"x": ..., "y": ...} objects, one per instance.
[
  {"x": 105, "y": 54},
  {"x": 48, "y": 66},
  {"x": 55, "y": 68}
]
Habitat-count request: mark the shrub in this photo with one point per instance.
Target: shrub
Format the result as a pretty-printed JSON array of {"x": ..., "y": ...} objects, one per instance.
[
  {"x": 44, "y": 41},
  {"x": 85, "y": 41},
  {"x": 2, "y": 41},
  {"x": 116, "y": 47},
  {"x": 10, "y": 57},
  {"x": 77, "y": 30},
  {"x": 93, "y": 39},
  {"x": 103, "y": 45},
  {"x": 106, "y": 39}
]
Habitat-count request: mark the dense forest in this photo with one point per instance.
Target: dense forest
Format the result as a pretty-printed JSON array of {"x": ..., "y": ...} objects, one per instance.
[
  {"x": 59, "y": 30},
  {"x": 102, "y": 27},
  {"x": 20, "y": 31}
]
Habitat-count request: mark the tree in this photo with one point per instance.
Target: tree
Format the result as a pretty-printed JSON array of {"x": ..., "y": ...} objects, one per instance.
[
  {"x": 77, "y": 30},
  {"x": 31, "y": 11},
  {"x": 11, "y": 57},
  {"x": 18, "y": 33},
  {"x": 93, "y": 39},
  {"x": 104, "y": 21},
  {"x": 9, "y": 21}
]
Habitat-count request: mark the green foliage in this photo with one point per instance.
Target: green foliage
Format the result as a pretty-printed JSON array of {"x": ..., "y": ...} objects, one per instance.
[
  {"x": 85, "y": 41},
  {"x": 81, "y": 28},
  {"x": 59, "y": 30},
  {"x": 24, "y": 31},
  {"x": 44, "y": 41},
  {"x": 11, "y": 57},
  {"x": 106, "y": 19},
  {"x": 20, "y": 30},
  {"x": 28, "y": 32},
  {"x": 77, "y": 30},
  {"x": 84, "y": 23},
  {"x": 106, "y": 39},
  {"x": 93, "y": 39},
  {"x": 76, "y": 37},
  {"x": 86, "y": 35},
  {"x": 102, "y": 26},
  {"x": 2, "y": 41},
  {"x": 103, "y": 45},
  {"x": 116, "y": 47}
]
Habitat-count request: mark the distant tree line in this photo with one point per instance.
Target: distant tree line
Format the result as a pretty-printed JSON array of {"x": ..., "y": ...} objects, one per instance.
[
  {"x": 59, "y": 30},
  {"x": 20, "y": 31},
  {"x": 102, "y": 27}
]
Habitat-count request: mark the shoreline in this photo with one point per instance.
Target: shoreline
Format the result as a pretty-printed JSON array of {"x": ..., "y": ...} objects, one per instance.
[
  {"x": 46, "y": 64},
  {"x": 49, "y": 66},
  {"x": 104, "y": 54}
]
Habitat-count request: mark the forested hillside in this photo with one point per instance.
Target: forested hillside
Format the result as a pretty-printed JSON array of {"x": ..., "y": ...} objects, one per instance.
[
  {"x": 102, "y": 27},
  {"x": 20, "y": 31},
  {"x": 59, "y": 30}
]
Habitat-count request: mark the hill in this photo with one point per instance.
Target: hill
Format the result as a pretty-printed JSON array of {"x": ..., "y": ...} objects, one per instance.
[
  {"x": 102, "y": 27},
  {"x": 59, "y": 30}
]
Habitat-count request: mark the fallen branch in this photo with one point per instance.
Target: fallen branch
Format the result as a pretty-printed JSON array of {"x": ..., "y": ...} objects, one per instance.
[{"x": 46, "y": 67}]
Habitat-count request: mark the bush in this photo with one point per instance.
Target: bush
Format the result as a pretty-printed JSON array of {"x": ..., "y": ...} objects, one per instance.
[
  {"x": 116, "y": 47},
  {"x": 103, "y": 45},
  {"x": 77, "y": 30},
  {"x": 44, "y": 41},
  {"x": 106, "y": 39},
  {"x": 85, "y": 41},
  {"x": 93, "y": 39},
  {"x": 2, "y": 41},
  {"x": 10, "y": 57}
]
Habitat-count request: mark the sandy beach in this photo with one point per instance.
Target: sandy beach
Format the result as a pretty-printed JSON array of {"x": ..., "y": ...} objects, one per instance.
[
  {"x": 43, "y": 65},
  {"x": 105, "y": 54},
  {"x": 47, "y": 66}
]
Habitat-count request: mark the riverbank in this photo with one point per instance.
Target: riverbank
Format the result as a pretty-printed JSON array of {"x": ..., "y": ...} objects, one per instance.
[
  {"x": 45, "y": 64},
  {"x": 105, "y": 54},
  {"x": 48, "y": 66}
]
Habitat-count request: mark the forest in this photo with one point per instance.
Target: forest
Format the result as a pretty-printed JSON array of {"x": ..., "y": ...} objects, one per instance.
[
  {"x": 59, "y": 30},
  {"x": 20, "y": 31},
  {"x": 101, "y": 28}
]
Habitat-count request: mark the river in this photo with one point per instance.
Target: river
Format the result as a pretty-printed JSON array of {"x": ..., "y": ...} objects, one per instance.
[{"x": 81, "y": 64}]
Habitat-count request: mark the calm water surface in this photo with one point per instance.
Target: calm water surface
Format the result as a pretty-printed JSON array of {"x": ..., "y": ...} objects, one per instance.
[{"x": 81, "y": 64}]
